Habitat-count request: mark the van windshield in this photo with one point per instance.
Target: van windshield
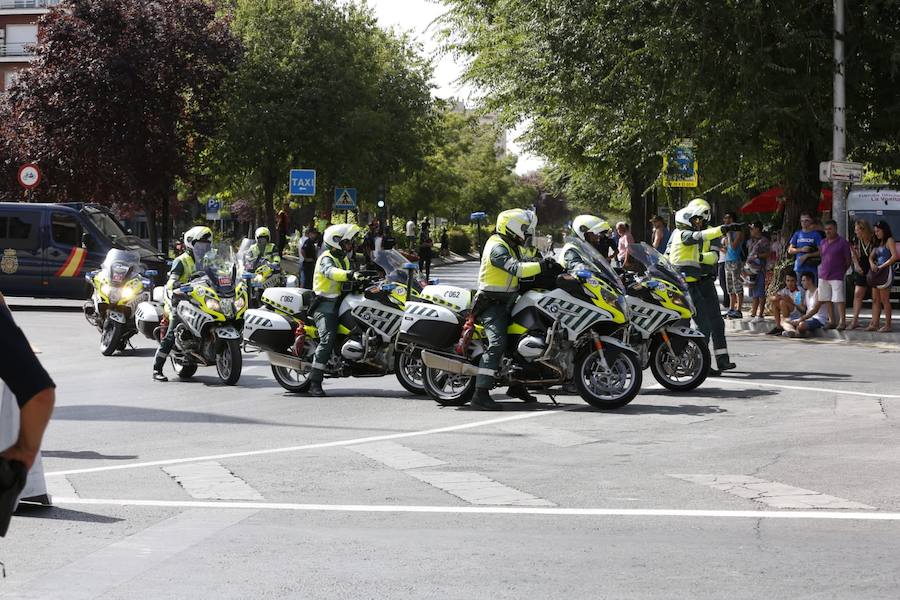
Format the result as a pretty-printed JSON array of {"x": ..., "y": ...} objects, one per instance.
[{"x": 105, "y": 223}]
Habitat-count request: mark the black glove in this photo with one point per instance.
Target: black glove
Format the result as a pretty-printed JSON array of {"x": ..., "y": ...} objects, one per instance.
[
  {"x": 548, "y": 265},
  {"x": 732, "y": 227},
  {"x": 357, "y": 276}
]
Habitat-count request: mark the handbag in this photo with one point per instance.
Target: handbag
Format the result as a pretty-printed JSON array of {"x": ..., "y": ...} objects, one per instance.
[{"x": 877, "y": 278}]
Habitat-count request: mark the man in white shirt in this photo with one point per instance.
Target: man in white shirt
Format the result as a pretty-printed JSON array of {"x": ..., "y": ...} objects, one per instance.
[
  {"x": 410, "y": 234},
  {"x": 817, "y": 313}
]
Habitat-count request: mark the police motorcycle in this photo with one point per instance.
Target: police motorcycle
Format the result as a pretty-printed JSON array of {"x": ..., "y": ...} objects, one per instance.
[
  {"x": 119, "y": 287},
  {"x": 573, "y": 333},
  {"x": 369, "y": 320},
  {"x": 212, "y": 308},
  {"x": 661, "y": 311},
  {"x": 264, "y": 274}
]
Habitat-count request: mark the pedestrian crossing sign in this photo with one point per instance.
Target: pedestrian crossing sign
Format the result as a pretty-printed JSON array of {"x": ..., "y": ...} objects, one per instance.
[{"x": 345, "y": 199}]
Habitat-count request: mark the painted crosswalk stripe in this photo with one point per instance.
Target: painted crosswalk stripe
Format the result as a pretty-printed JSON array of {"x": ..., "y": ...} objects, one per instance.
[
  {"x": 772, "y": 493},
  {"x": 211, "y": 481},
  {"x": 548, "y": 435},
  {"x": 396, "y": 456},
  {"x": 60, "y": 486},
  {"x": 121, "y": 562},
  {"x": 475, "y": 488}
]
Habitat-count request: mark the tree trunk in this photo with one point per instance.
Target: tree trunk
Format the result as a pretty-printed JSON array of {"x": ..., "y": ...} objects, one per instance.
[
  {"x": 803, "y": 194},
  {"x": 637, "y": 214},
  {"x": 165, "y": 219},
  {"x": 150, "y": 214}
]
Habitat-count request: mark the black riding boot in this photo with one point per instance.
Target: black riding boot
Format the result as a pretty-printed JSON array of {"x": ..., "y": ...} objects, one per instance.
[{"x": 482, "y": 400}]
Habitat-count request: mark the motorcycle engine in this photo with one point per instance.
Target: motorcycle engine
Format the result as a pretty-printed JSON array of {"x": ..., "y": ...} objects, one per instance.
[
  {"x": 353, "y": 350},
  {"x": 531, "y": 347},
  {"x": 184, "y": 339}
]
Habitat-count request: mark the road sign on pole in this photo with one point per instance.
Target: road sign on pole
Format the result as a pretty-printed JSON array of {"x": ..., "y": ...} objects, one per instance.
[
  {"x": 344, "y": 198},
  {"x": 680, "y": 166},
  {"x": 29, "y": 176},
  {"x": 838, "y": 171},
  {"x": 213, "y": 207},
  {"x": 303, "y": 182}
]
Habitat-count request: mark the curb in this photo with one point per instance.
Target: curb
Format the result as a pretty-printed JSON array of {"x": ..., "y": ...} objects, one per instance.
[{"x": 855, "y": 336}]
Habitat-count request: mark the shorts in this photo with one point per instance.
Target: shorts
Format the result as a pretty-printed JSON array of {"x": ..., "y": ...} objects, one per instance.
[
  {"x": 813, "y": 324},
  {"x": 734, "y": 283},
  {"x": 832, "y": 290}
]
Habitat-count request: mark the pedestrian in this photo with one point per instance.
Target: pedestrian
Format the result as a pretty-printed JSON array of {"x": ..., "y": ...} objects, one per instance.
[
  {"x": 425, "y": 245},
  {"x": 410, "y": 234},
  {"x": 862, "y": 247},
  {"x": 35, "y": 393},
  {"x": 758, "y": 251},
  {"x": 804, "y": 247},
  {"x": 836, "y": 259},
  {"x": 309, "y": 252},
  {"x": 787, "y": 303},
  {"x": 816, "y": 315},
  {"x": 282, "y": 223},
  {"x": 445, "y": 243},
  {"x": 881, "y": 275},
  {"x": 734, "y": 266},
  {"x": 661, "y": 234},
  {"x": 625, "y": 240}
]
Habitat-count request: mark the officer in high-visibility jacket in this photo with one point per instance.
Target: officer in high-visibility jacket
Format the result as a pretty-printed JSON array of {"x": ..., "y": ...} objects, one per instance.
[
  {"x": 263, "y": 249},
  {"x": 197, "y": 242},
  {"x": 332, "y": 269},
  {"x": 691, "y": 252},
  {"x": 586, "y": 228},
  {"x": 498, "y": 287}
]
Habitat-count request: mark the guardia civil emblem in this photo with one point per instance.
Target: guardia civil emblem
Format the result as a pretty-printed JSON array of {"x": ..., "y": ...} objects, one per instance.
[{"x": 9, "y": 264}]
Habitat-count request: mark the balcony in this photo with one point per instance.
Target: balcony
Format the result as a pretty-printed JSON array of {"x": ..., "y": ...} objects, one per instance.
[
  {"x": 16, "y": 52},
  {"x": 24, "y": 7}
]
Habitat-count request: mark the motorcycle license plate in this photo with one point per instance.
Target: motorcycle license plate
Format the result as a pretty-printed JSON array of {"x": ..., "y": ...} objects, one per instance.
[
  {"x": 116, "y": 316},
  {"x": 228, "y": 333},
  {"x": 225, "y": 281}
]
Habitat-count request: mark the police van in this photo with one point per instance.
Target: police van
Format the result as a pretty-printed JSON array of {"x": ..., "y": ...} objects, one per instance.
[
  {"x": 46, "y": 249},
  {"x": 876, "y": 203}
]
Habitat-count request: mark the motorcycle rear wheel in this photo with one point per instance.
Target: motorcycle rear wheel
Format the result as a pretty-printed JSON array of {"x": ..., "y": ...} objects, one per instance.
[
  {"x": 229, "y": 362},
  {"x": 183, "y": 368},
  {"x": 610, "y": 388},
  {"x": 410, "y": 370},
  {"x": 110, "y": 337},
  {"x": 292, "y": 380},
  {"x": 448, "y": 389},
  {"x": 695, "y": 352}
]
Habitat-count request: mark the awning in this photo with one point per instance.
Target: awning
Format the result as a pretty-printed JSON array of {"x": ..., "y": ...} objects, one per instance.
[{"x": 767, "y": 202}]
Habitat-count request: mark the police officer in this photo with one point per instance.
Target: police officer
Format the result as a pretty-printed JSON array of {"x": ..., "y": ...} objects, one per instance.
[
  {"x": 498, "y": 286},
  {"x": 263, "y": 250},
  {"x": 197, "y": 242},
  {"x": 590, "y": 229},
  {"x": 332, "y": 269},
  {"x": 690, "y": 249}
]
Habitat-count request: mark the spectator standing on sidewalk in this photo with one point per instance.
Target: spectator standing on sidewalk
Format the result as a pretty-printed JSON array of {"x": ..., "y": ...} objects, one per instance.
[
  {"x": 734, "y": 266},
  {"x": 410, "y": 234},
  {"x": 661, "y": 234},
  {"x": 881, "y": 275},
  {"x": 309, "y": 253},
  {"x": 445, "y": 243},
  {"x": 787, "y": 303},
  {"x": 804, "y": 247},
  {"x": 816, "y": 316},
  {"x": 758, "y": 252},
  {"x": 625, "y": 240},
  {"x": 425, "y": 245},
  {"x": 862, "y": 247},
  {"x": 836, "y": 259}
]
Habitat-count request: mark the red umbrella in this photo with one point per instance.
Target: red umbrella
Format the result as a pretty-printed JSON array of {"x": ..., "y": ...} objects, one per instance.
[{"x": 767, "y": 202}]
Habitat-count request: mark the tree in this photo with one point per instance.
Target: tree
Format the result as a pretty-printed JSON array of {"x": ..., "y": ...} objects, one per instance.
[{"x": 120, "y": 98}]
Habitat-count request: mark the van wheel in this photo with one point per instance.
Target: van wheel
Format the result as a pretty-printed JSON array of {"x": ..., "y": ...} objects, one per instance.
[{"x": 110, "y": 337}]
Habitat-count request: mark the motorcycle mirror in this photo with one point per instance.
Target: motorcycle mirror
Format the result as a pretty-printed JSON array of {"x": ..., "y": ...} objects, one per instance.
[
  {"x": 151, "y": 273},
  {"x": 147, "y": 283},
  {"x": 247, "y": 276},
  {"x": 186, "y": 289}
]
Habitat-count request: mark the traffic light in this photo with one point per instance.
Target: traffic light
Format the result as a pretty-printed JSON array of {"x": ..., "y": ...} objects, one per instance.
[{"x": 382, "y": 193}]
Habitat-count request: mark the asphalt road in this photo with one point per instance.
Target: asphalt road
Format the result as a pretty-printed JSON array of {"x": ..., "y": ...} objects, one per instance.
[{"x": 777, "y": 481}]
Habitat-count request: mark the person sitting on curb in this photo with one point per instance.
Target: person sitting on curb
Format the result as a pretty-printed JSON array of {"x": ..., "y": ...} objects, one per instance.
[
  {"x": 787, "y": 303},
  {"x": 816, "y": 316}
]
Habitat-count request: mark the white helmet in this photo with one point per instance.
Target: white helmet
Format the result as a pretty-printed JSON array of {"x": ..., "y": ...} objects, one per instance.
[
  {"x": 517, "y": 223},
  {"x": 583, "y": 224},
  {"x": 336, "y": 234},
  {"x": 698, "y": 207},
  {"x": 196, "y": 234}
]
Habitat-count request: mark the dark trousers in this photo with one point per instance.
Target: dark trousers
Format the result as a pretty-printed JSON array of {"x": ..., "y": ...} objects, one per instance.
[
  {"x": 326, "y": 318},
  {"x": 495, "y": 318},
  {"x": 425, "y": 261},
  {"x": 308, "y": 269},
  {"x": 168, "y": 342},
  {"x": 709, "y": 318}
]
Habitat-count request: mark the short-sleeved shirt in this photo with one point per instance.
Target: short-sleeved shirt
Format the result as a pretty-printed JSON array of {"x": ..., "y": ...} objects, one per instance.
[
  {"x": 811, "y": 298},
  {"x": 20, "y": 369},
  {"x": 799, "y": 240},
  {"x": 732, "y": 254},
  {"x": 410, "y": 229},
  {"x": 624, "y": 241},
  {"x": 836, "y": 259}
]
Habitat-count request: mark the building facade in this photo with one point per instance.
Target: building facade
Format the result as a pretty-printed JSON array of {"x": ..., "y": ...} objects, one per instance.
[{"x": 18, "y": 33}]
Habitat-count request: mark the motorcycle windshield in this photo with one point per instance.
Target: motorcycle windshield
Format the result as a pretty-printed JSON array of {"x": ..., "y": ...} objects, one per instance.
[
  {"x": 596, "y": 263},
  {"x": 241, "y": 255},
  {"x": 655, "y": 264},
  {"x": 121, "y": 265},
  {"x": 392, "y": 263},
  {"x": 220, "y": 266}
]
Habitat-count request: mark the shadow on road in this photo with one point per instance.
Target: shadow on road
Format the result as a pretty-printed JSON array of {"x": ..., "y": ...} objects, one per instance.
[
  {"x": 132, "y": 414},
  {"x": 808, "y": 376},
  {"x": 41, "y": 308},
  {"x": 85, "y": 455},
  {"x": 727, "y": 393},
  {"x": 55, "y": 513},
  {"x": 682, "y": 409}
]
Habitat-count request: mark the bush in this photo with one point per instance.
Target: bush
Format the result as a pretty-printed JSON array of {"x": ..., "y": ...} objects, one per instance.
[{"x": 460, "y": 242}]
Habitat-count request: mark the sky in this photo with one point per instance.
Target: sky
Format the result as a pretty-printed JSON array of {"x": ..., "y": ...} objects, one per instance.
[{"x": 417, "y": 16}]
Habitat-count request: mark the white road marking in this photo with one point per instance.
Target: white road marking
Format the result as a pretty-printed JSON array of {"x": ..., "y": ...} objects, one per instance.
[
  {"x": 475, "y": 488},
  {"x": 211, "y": 481},
  {"x": 500, "y": 510},
  {"x": 396, "y": 456},
  {"x": 60, "y": 486},
  {"x": 549, "y": 435},
  {"x": 772, "y": 493},
  {"x": 121, "y": 562},
  {"x": 746, "y": 382},
  {"x": 337, "y": 444}
]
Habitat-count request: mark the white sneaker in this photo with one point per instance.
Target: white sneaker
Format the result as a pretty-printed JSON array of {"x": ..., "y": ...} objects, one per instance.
[{"x": 757, "y": 320}]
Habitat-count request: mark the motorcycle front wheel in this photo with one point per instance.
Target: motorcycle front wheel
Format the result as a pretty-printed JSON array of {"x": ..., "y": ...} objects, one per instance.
[
  {"x": 448, "y": 389},
  {"x": 611, "y": 387},
  {"x": 110, "y": 337},
  {"x": 228, "y": 362},
  {"x": 183, "y": 367},
  {"x": 410, "y": 370},
  {"x": 680, "y": 373}
]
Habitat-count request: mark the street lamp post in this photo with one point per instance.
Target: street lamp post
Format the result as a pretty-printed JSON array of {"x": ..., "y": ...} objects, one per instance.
[{"x": 839, "y": 138}]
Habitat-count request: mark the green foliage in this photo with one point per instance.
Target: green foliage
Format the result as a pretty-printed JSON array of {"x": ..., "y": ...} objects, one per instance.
[{"x": 459, "y": 241}]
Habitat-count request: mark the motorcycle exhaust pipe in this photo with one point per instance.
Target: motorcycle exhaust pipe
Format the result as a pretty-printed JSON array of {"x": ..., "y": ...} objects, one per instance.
[
  {"x": 287, "y": 361},
  {"x": 450, "y": 365}
]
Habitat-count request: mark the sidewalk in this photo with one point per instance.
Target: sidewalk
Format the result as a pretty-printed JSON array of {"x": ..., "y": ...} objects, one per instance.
[
  {"x": 441, "y": 261},
  {"x": 855, "y": 336}
]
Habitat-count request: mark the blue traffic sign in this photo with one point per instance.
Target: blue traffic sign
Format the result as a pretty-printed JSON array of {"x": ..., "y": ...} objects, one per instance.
[
  {"x": 477, "y": 216},
  {"x": 344, "y": 198},
  {"x": 303, "y": 182}
]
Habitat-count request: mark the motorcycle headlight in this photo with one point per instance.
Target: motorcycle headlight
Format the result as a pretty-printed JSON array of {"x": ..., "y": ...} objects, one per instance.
[
  {"x": 127, "y": 293},
  {"x": 213, "y": 304},
  {"x": 105, "y": 289},
  {"x": 240, "y": 302}
]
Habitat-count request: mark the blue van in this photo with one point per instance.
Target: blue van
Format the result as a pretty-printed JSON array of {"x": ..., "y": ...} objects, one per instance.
[{"x": 46, "y": 249}]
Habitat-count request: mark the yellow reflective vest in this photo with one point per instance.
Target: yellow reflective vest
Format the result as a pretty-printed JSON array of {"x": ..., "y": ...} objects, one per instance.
[
  {"x": 686, "y": 251},
  {"x": 501, "y": 267},
  {"x": 330, "y": 272}
]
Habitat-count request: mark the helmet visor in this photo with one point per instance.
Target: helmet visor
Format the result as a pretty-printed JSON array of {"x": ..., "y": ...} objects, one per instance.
[{"x": 200, "y": 249}]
